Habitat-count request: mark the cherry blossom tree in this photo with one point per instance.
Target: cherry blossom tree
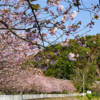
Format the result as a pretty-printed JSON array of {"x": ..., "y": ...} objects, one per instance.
[
  {"x": 22, "y": 30},
  {"x": 32, "y": 79},
  {"x": 13, "y": 50},
  {"x": 22, "y": 17}
]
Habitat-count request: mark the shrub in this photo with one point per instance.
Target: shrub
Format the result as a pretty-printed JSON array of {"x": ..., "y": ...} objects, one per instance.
[
  {"x": 89, "y": 96},
  {"x": 50, "y": 72}
]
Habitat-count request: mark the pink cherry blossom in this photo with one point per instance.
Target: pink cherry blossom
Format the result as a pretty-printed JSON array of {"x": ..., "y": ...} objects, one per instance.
[
  {"x": 54, "y": 62},
  {"x": 77, "y": 55},
  {"x": 84, "y": 45},
  {"x": 91, "y": 3},
  {"x": 65, "y": 44},
  {"x": 73, "y": 15},
  {"x": 64, "y": 18},
  {"x": 79, "y": 43},
  {"x": 94, "y": 42},
  {"x": 74, "y": 29},
  {"x": 69, "y": 30},
  {"x": 87, "y": 52},
  {"x": 61, "y": 7},
  {"x": 69, "y": 26},
  {"x": 32, "y": 79},
  {"x": 71, "y": 57},
  {"x": 53, "y": 31}
]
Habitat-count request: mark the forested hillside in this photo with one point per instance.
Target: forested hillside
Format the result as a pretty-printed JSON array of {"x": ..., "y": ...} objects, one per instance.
[{"x": 63, "y": 68}]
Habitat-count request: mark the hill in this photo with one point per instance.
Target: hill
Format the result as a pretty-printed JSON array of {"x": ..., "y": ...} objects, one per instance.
[{"x": 63, "y": 68}]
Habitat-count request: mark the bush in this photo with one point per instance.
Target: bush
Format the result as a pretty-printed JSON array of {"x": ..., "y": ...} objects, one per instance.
[
  {"x": 98, "y": 79},
  {"x": 89, "y": 96},
  {"x": 50, "y": 72}
]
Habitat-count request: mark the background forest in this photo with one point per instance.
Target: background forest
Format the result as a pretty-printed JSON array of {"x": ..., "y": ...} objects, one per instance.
[{"x": 88, "y": 62}]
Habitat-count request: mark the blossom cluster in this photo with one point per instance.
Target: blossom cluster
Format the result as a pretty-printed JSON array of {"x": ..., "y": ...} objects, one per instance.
[
  {"x": 65, "y": 44},
  {"x": 71, "y": 57},
  {"x": 32, "y": 79}
]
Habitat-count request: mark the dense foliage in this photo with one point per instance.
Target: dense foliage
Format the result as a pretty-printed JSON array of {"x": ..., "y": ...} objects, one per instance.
[{"x": 64, "y": 68}]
